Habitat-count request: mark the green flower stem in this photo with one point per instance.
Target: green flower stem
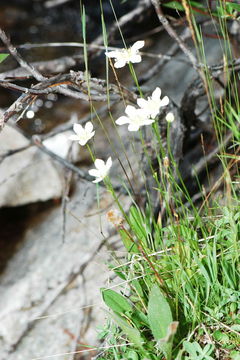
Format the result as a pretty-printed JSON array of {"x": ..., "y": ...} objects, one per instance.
[
  {"x": 91, "y": 153},
  {"x": 134, "y": 76}
]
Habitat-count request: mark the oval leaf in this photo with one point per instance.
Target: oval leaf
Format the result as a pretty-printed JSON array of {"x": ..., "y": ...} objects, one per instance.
[
  {"x": 159, "y": 313},
  {"x": 115, "y": 301}
]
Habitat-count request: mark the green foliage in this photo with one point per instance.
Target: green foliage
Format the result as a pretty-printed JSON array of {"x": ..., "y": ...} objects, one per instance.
[
  {"x": 201, "y": 283},
  {"x": 182, "y": 275},
  {"x": 174, "y": 5},
  {"x": 196, "y": 352},
  {"x": 177, "y": 5},
  {"x": 226, "y": 9},
  {"x": 3, "y": 57},
  {"x": 235, "y": 355},
  {"x": 160, "y": 321},
  {"x": 140, "y": 225},
  {"x": 131, "y": 332},
  {"x": 159, "y": 313},
  {"x": 115, "y": 301},
  {"x": 128, "y": 242}
]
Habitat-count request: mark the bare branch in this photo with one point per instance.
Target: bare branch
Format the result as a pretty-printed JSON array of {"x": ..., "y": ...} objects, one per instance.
[
  {"x": 36, "y": 74},
  {"x": 173, "y": 34}
]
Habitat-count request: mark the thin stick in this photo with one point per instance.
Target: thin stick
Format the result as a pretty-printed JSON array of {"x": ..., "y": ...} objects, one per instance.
[
  {"x": 36, "y": 74},
  {"x": 174, "y": 35}
]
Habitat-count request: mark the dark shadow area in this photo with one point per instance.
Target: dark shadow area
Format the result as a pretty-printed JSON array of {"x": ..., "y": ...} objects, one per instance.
[{"x": 13, "y": 224}]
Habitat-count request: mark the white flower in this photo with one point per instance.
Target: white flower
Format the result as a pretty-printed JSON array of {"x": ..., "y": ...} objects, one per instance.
[
  {"x": 125, "y": 56},
  {"x": 153, "y": 104},
  {"x": 101, "y": 170},
  {"x": 135, "y": 118},
  {"x": 82, "y": 134},
  {"x": 170, "y": 117}
]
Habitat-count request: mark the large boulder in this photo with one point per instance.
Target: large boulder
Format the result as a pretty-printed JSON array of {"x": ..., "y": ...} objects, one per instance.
[{"x": 27, "y": 176}]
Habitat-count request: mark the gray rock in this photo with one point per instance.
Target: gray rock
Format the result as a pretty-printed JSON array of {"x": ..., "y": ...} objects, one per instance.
[
  {"x": 28, "y": 176},
  {"x": 49, "y": 288}
]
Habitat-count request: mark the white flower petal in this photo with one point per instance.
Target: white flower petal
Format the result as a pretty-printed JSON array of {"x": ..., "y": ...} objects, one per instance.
[
  {"x": 142, "y": 103},
  {"x": 94, "y": 172},
  {"x": 101, "y": 170},
  {"x": 122, "y": 120},
  {"x": 156, "y": 94},
  {"x": 154, "y": 114},
  {"x": 78, "y": 128},
  {"x": 109, "y": 163},
  {"x": 89, "y": 127},
  {"x": 142, "y": 113},
  {"x": 97, "y": 180},
  {"x": 135, "y": 58},
  {"x": 146, "y": 113},
  {"x": 83, "y": 141},
  {"x": 120, "y": 63},
  {"x": 99, "y": 164},
  {"x": 130, "y": 111},
  {"x": 133, "y": 127},
  {"x": 165, "y": 101},
  {"x": 138, "y": 45},
  {"x": 148, "y": 121}
]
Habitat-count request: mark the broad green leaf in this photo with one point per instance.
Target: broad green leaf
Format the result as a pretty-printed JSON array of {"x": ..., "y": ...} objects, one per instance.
[
  {"x": 3, "y": 57},
  {"x": 115, "y": 301},
  {"x": 159, "y": 313},
  {"x": 160, "y": 321},
  {"x": 132, "y": 333}
]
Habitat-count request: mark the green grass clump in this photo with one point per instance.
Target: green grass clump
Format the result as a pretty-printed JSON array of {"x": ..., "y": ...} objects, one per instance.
[
  {"x": 179, "y": 292},
  {"x": 182, "y": 296}
]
